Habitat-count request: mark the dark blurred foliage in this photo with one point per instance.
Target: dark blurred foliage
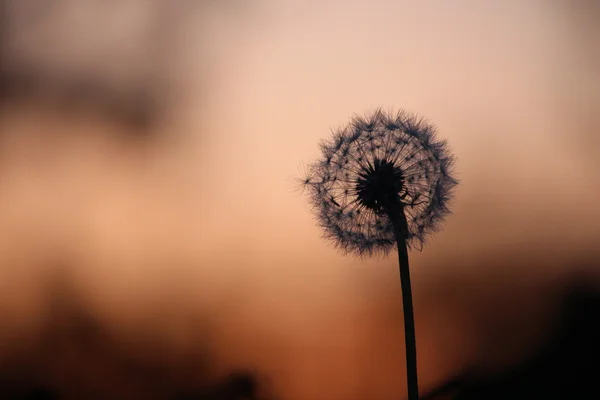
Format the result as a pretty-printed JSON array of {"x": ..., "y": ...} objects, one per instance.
[
  {"x": 75, "y": 356},
  {"x": 567, "y": 368},
  {"x": 238, "y": 386}
]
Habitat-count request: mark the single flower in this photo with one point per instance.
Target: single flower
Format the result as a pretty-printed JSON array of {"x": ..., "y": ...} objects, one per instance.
[{"x": 383, "y": 181}]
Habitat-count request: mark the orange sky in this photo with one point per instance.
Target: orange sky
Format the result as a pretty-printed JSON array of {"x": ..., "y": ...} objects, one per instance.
[{"x": 207, "y": 224}]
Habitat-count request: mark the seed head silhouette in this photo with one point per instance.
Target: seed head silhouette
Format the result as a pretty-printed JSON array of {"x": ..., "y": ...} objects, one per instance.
[{"x": 383, "y": 181}]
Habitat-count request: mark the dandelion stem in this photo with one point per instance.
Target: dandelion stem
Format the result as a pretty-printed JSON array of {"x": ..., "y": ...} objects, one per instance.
[{"x": 400, "y": 228}]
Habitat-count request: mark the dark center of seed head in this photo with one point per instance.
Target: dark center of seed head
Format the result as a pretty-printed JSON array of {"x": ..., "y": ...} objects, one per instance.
[{"x": 379, "y": 185}]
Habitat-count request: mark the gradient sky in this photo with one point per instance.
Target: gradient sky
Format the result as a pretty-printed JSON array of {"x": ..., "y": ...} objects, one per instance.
[{"x": 208, "y": 222}]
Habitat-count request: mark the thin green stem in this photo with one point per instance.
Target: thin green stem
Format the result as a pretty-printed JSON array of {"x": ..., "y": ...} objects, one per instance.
[{"x": 400, "y": 227}]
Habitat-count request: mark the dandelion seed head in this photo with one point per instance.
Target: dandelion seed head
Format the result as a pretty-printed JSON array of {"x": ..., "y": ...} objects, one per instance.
[{"x": 373, "y": 164}]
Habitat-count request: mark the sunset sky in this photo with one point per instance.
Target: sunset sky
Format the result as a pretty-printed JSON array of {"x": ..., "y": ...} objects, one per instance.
[{"x": 204, "y": 221}]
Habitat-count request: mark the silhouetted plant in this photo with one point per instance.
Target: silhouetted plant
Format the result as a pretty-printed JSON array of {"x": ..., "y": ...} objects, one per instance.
[{"x": 383, "y": 181}]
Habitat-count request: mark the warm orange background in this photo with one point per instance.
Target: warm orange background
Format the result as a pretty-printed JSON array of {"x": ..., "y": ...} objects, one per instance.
[{"x": 204, "y": 223}]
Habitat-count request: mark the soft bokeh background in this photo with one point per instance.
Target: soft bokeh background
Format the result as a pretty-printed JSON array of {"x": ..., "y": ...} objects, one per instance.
[{"x": 198, "y": 229}]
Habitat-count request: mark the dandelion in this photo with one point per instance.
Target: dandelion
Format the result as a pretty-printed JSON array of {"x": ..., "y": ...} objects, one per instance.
[{"x": 383, "y": 181}]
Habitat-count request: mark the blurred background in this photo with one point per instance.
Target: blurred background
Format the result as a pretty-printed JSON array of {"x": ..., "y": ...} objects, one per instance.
[{"x": 152, "y": 240}]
